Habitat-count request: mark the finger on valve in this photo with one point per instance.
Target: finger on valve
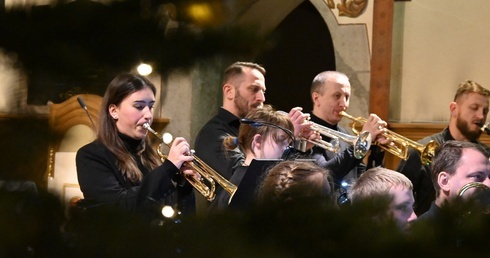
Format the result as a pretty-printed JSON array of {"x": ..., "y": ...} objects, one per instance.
[
  {"x": 178, "y": 153},
  {"x": 188, "y": 171}
]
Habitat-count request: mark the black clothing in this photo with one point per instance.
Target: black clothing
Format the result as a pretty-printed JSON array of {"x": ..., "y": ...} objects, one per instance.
[
  {"x": 343, "y": 165},
  {"x": 431, "y": 214},
  {"x": 223, "y": 198},
  {"x": 102, "y": 182},
  {"x": 209, "y": 143},
  {"x": 420, "y": 175}
]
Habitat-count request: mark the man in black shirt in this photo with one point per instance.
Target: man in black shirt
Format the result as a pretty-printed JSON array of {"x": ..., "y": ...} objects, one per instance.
[
  {"x": 330, "y": 93},
  {"x": 243, "y": 90}
]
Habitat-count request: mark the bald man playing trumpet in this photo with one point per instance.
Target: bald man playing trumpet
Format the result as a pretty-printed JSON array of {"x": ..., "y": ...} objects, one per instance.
[{"x": 330, "y": 93}]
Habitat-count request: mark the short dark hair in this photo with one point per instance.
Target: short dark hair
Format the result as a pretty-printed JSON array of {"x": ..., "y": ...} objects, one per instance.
[
  {"x": 447, "y": 158},
  {"x": 236, "y": 69}
]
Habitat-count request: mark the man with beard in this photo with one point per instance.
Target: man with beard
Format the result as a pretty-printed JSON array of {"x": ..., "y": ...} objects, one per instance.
[
  {"x": 243, "y": 90},
  {"x": 468, "y": 114}
]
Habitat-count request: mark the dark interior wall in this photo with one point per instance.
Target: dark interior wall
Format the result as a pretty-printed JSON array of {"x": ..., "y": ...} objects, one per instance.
[
  {"x": 24, "y": 149},
  {"x": 302, "y": 48}
]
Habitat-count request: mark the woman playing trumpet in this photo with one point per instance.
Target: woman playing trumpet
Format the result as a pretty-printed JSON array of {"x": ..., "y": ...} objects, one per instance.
[{"x": 120, "y": 168}]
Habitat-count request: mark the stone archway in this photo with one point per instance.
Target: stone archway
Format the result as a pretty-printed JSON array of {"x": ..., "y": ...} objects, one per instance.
[{"x": 350, "y": 41}]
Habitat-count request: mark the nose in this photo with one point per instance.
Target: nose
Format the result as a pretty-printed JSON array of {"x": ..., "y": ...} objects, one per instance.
[
  {"x": 147, "y": 113},
  {"x": 343, "y": 102},
  {"x": 260, "y": 96},
  {"x": 480, "y": 114},
  {"x": 412, "y": 217},
  {"x": 486, "y": 181}
]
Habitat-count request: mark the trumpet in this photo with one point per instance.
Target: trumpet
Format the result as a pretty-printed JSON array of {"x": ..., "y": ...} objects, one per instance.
[
  {"x": 209, "y": 192},
  {"x": 299, "y": 142},
  {"x": 481, "y": 194},
  {"x": 468, "y": 186},
  {"x": 332, "y": 146},
  {"x": 399, "y": 144},
  {"x": 361, "y": 143}
]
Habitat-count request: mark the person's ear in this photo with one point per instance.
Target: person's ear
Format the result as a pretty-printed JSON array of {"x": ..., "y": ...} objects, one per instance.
[
  {"x": 315, "y": 96},
  {"x": 443, "y": 181},
  {"x": 257, "y": 141},
  {"x": 229, "y": 91},
  {"x": 453, "y": 108},
  {"x": 113, "y": 111}
]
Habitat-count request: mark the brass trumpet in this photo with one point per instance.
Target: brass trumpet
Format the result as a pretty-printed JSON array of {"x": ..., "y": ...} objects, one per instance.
[
  {"x": 333, "y": 145},
  {"x": 481, "y": 195},
  {"x": 468, "y": 186},
  {"x": 361, "y": 143},
  {"x": 203, "y": 169},
  {"x": 399, "y": 144},
  {"x": 300, "y": 141}
]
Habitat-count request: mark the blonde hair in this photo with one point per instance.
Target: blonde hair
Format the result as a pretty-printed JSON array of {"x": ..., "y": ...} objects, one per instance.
[
  {"x": 377, "y": 181},
  {"x": 470, "y": 86}
]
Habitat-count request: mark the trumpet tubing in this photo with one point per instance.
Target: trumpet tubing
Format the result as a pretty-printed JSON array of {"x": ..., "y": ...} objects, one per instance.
[
  {"x": 471, "y": 185},
  {"x": 399, "y": 144},
  {"x": 330, "y": 146},
  {"x": 206, "y": 172},
  {"x": 361, "y": 143}
]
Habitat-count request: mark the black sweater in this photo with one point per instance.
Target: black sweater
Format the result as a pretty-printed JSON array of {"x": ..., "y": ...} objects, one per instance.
[{"x": 102, "y": 182}]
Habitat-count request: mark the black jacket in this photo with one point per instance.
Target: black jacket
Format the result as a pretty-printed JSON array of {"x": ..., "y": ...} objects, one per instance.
[{"x": 102, "y": 182}]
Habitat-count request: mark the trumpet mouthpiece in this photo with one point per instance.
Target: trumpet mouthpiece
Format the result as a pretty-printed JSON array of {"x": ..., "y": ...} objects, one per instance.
[{"x": 147, "y": 127}]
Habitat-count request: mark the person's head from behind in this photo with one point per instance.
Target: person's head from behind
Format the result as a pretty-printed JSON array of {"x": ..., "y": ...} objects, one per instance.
[
  {"x": 296, "y": 182},
  {"x": 243, "y": 88},
  {"x": 262, "y": 141},
  {"x": 455, "y": 164},
  {"x": 330, "y": 93},
  {"x": 385, "y": 183},
  {"x": 469, "y": 109},
  {"x": 127, "y": 105}
]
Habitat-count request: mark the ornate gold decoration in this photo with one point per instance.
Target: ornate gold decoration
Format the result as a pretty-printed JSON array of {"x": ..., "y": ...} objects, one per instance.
[
  {"x": 351, "y": 8},
  {"x": 330, "y": 4}
]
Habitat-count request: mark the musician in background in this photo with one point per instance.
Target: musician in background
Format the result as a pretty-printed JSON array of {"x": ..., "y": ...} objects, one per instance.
[
  {"x": 381, "y": 182},
  {"x": 243, "y": 91},
  {"x": 120, "y": 168},
  {"x": 455, "y": 164},
  {"x": 330, "y": 93},
  {"x": 258, "y": 142},
  {"x": 468, "y": 114}
]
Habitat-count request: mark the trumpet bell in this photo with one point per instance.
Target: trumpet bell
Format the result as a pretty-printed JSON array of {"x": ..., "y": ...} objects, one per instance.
[
  {"x": 479, "y": 193},
  {"x": 362, "y": 145}
]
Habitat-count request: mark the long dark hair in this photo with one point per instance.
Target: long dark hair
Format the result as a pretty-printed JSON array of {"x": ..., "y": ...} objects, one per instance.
[{"x": 121, "y": 87}]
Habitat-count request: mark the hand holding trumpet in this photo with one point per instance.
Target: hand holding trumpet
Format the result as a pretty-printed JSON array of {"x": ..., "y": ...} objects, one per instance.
[
  {"x": 180, "y": 155},
  {"x": 376, "y": 126},
  {"x": 302, "y": 127}
]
